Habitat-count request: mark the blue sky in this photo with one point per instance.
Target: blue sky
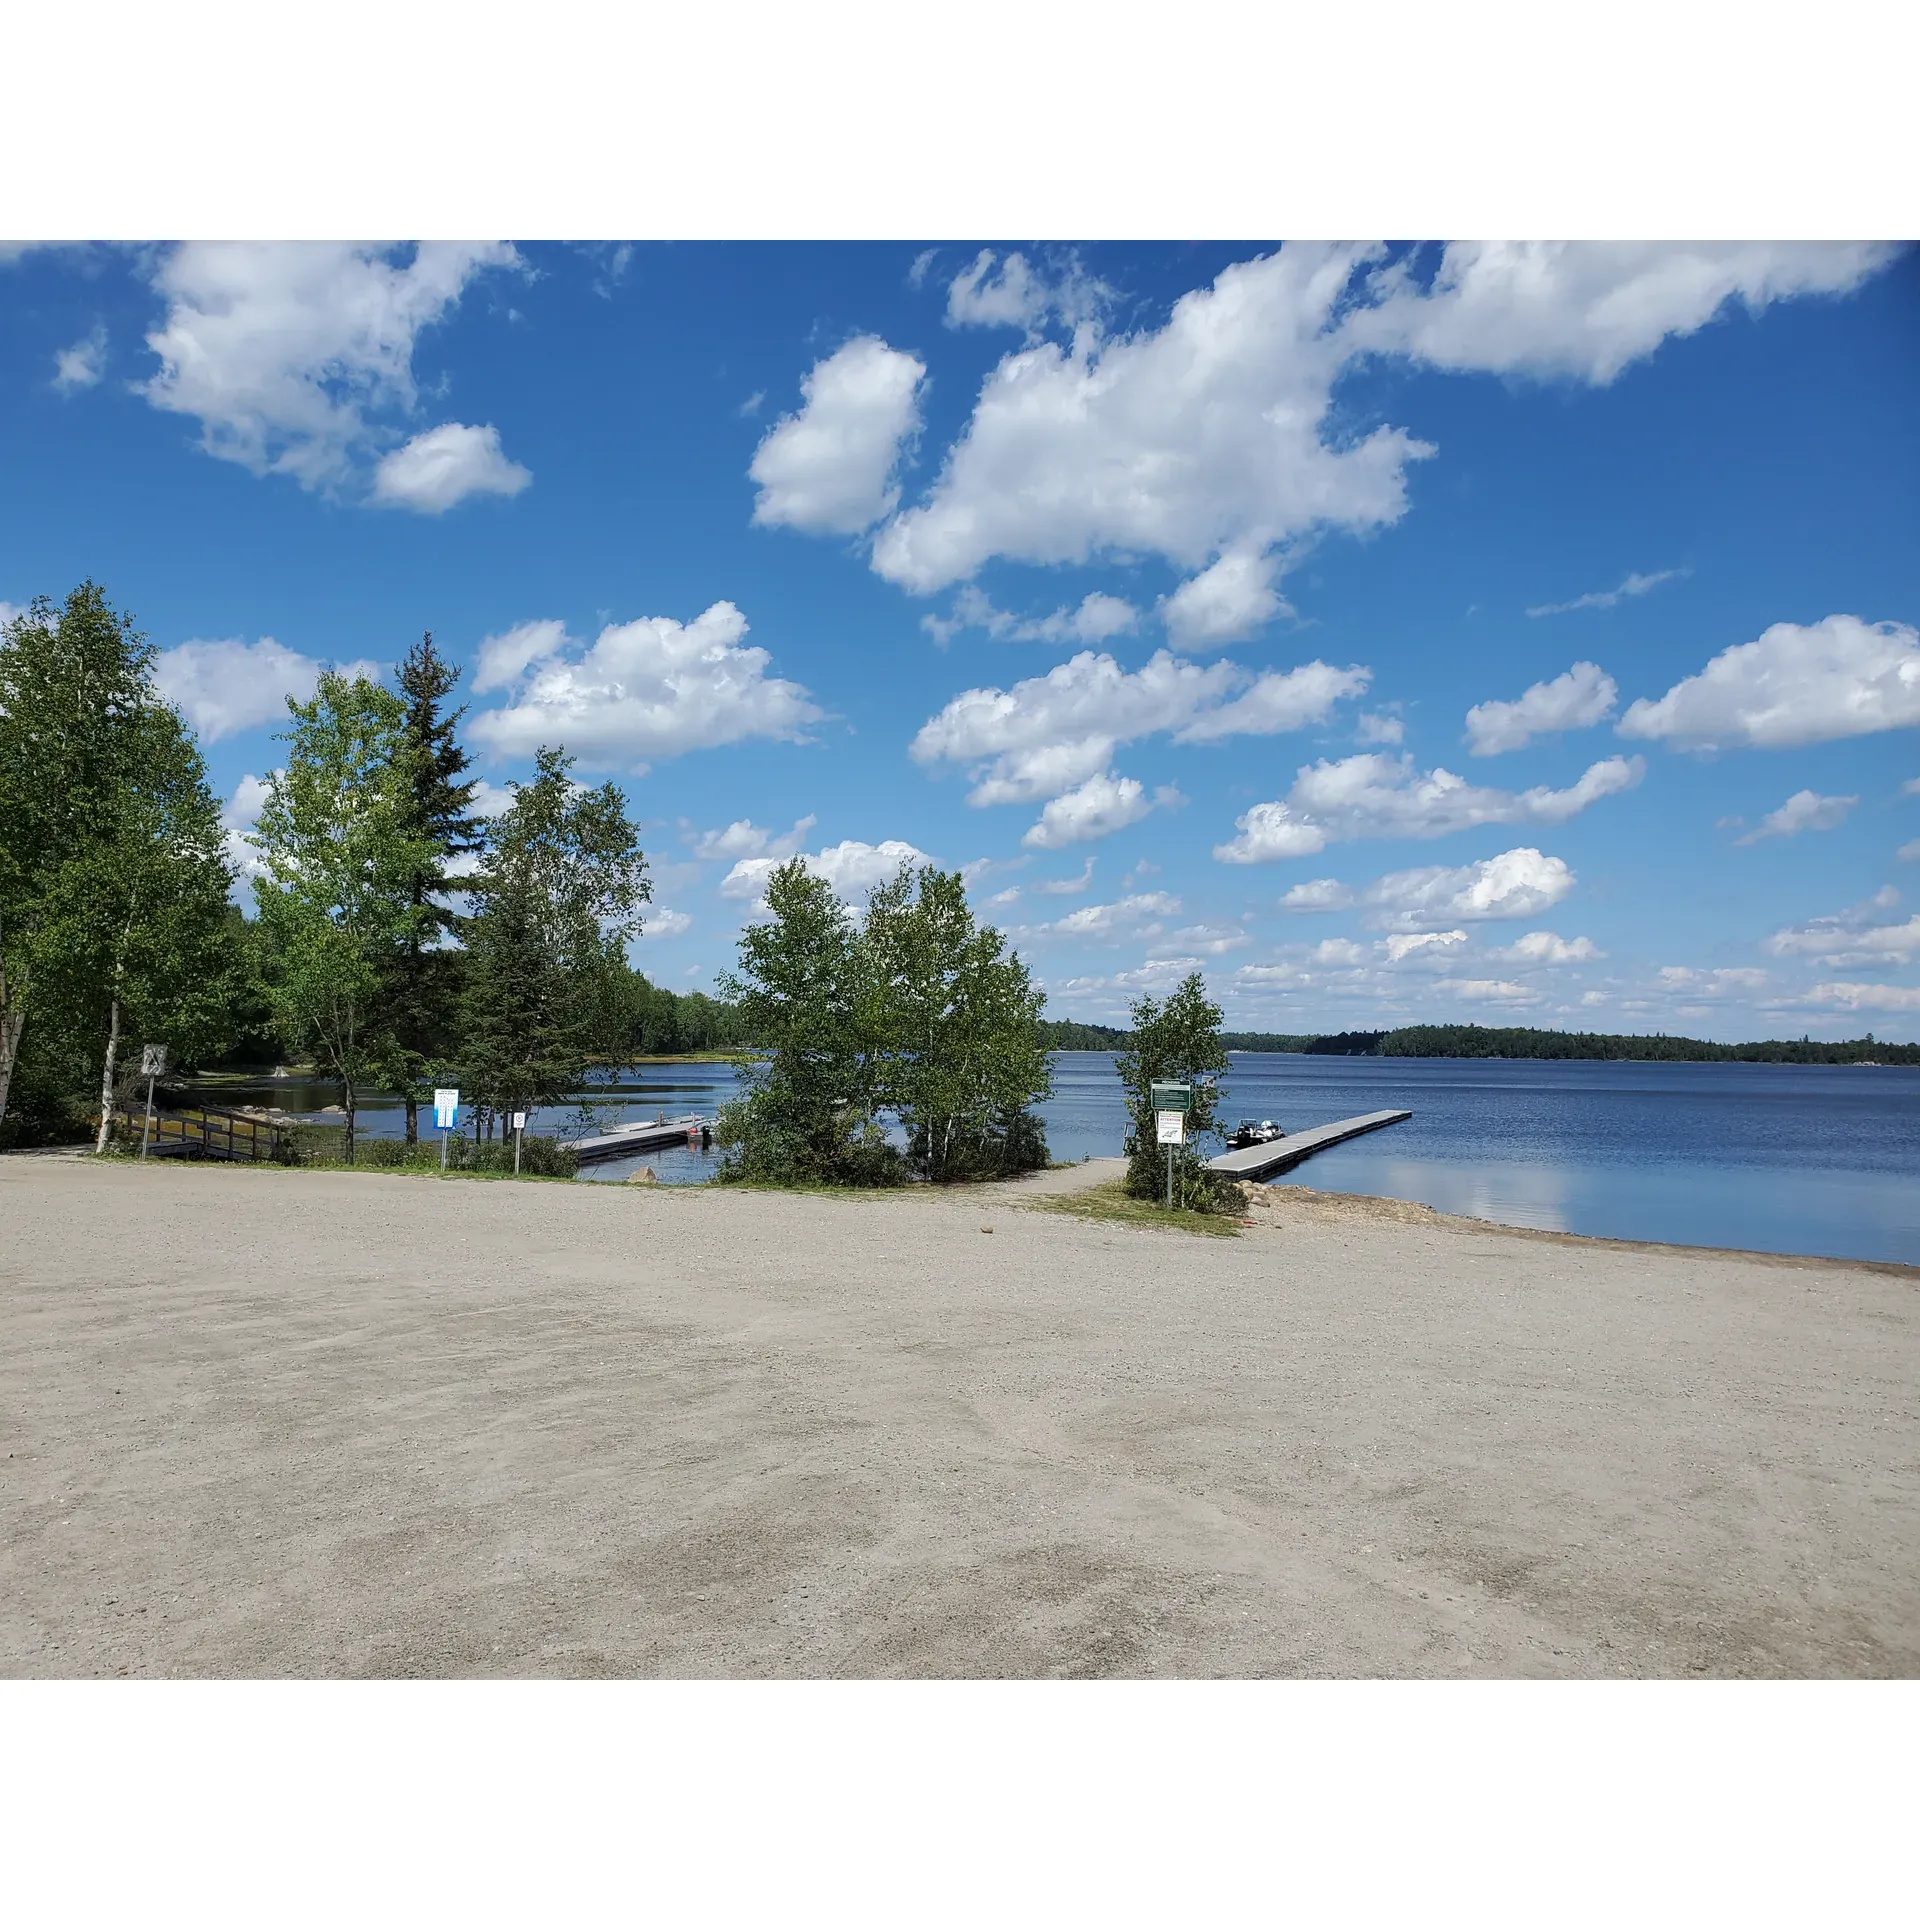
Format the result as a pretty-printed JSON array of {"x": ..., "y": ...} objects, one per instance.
[{"x": 1514, "y": 634}]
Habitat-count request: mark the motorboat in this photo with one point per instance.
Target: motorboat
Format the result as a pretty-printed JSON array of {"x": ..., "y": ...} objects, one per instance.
[{"x": 1256, "y": 1133}]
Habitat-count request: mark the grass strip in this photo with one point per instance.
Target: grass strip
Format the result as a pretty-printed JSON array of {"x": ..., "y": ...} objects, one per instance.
[{"x": 1112, "y": 1203}]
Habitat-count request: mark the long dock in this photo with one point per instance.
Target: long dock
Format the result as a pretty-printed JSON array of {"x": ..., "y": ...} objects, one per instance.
[
  {"x": 1276, "y": 1156},
  {"x": 690, "y": 1129}
]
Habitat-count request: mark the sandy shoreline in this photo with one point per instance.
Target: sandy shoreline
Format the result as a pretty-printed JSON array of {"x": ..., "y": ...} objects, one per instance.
[{"x": 261, "y": 1422}]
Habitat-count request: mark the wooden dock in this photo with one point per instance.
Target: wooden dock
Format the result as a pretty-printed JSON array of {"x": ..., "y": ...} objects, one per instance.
[
  {"x": 1276, "y": 1156},
  {"x": 642, "y": 1136}
]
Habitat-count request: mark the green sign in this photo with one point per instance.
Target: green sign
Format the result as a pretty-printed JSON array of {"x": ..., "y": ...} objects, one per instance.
[{"x": 1171, "y": 1096}]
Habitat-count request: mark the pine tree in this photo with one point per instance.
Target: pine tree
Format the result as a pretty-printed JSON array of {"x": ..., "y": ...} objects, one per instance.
[{"x": 435, "y": 804}]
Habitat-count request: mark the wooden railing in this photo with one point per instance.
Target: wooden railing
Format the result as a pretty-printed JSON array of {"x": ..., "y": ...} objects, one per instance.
[{"x": 206, "y": 1133}]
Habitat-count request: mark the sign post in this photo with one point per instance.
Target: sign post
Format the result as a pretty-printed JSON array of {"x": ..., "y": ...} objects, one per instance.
[
  {"x": 153, "y": 1063},
  {"x": 446, "y": 1116},
  {"x": 1172, "y": 1101},
  {"x": 519, "y": 1127}
]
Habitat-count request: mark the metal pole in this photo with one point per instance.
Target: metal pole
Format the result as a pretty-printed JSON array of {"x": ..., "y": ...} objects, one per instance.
[
  {"x": 517, "y": 1132},
  {"x": 1169, "y": 1174},
  {"x": 146, "y": 1126},
  {"x": 443, "y": 1148}
]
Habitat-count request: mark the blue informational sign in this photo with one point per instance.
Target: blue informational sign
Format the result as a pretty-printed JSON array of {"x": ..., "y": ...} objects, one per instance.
[{"x": 446, "y": 1108}]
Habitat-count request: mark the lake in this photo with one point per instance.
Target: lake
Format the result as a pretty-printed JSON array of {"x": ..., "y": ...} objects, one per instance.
[{"x": 1779, "y": 1159}]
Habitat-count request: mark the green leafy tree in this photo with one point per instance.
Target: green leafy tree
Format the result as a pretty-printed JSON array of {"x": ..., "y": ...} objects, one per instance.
[
  {"x": 112, "y": 870},
  {"x": 558, "y": 895},
  {"x": 957, "y": 1020},
  {"x": 809, "y": 1111},
  {"x": 339, "y": 904},
  {"x": 435, "y": 802},
  {"x": 1177, "y": 1038}
]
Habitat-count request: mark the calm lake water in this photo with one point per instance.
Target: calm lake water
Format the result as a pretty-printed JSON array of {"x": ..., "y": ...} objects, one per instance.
[{"x": 1780, "y": 1159}]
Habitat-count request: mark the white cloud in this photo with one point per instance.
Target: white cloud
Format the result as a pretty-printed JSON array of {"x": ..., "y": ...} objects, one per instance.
[
  {"x": 1100, "y": 616},
  {"x": 1135, "y": 916},
  {"x": 489, "y": 802},
  {"x": 665, "y": 923},
  {"x": 1911, "y": 851},
  {"x": 852, "y": 869},
  {"x": 829, "y": 467},
  {"x": 239, "y": 817},
  {"x": 1380, "y": 730},
  {"x": 1014, "y": 293},
  {"x": 1631, "y": 588},
  {"x": 1214, "y": 434},
  {"x": 1232, "y": 599},
  {"x": 1079, "y": 884},
  {"x": 81, "y": 364},
  {"x": 1399, "y": 945},
  {"x": 1317, "y": 896},
  {"x": 1857, "y": 997},
  {"x": 9, "y": 613},
  {"x": 1060, "y": 729},
  {"x": 227, "y": 686},
  {"x": 440, "y": 468},
  {"x": 1589, "y": 309},
  {"x": 1199, "y": 439},
  {"x": 742, "y": 840},
  {"x": 1583, "y": 696},
  {"x": 287, "y": 353},
  {"x": 1337, "y": 953},
  {"x": 1090, "y": 811},
  {"x": 1911, "y": 786},
  {"x": 1514, "y": 885},
  {"x": 504, "y": 657},
  {"x": 1206, "y": 941},
  {"x": 1548, "y": 949},
  {"x": 650, "y": 687},
  {"x": 1803, "y": 812},
  {"x": 1371, "y": 796},
  {"x": 1510, "y": 991},
  {"x": 1857, "y": 937},
  {"x": 1711, "y": 983},
  {"x": 1792, "y": 687}
]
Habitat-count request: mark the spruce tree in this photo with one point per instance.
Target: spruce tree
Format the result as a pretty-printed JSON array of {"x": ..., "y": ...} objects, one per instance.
[{"x": 435, "y": 803}]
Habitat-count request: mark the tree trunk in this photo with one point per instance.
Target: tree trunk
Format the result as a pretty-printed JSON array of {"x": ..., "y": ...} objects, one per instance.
[
  {"x": 413, "y": 1118},
  {"x": 10, "y": 1025},
  {"x": 352, "y": 1114},
  {"x": 106, "y": 1078}
]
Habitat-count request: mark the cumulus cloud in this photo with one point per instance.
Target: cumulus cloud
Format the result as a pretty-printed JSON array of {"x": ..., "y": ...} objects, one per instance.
[
  {"x": 1792, "y": 687},
  {"x": 1855, "y": 997},
  {"x": 1399, "y": 945},
  {"x": 1098, "y": 617},
  {"x": 1587, "y": 310},
  {"x": 1583, "y": 696},
  {"x": 1509, "y": 991},
  {"x": 1803, "y": 812},
  {"x": 1911, "y": 851},
  {"x": 852, "y": 869},
  {"x": 1079, "y": 884},
  {"x": 829, "y": 468},
  {"x": 1207, "y": 941},
  {"x": 81, "y": 364},
  {"x": 1090, "y": 811},
  {"x": 226, "y": 686},
  {"x": 652, "y": 687},
  {"x": 1861, "y": 936},
  {"x": 1232, "y": 599},
  {"x": 1059, "y": 730},
  {"x": 1711, "y": 983},
  {"x": 440, "y": 468},
  {"x": 289, "y": 354},
  {"x": 1548, "y": 949},
  {"x": 665, "y": 923},
  {"x": 1372, "y": 796},
  {"x": 1317, "y": 896},
  {"x": 1514, "y": 885},
  {"x": 504, "y": 657},
  {"x": 239, "y": 817},
  {"x": 1012, "y": 292},
  {"x": 1135, "y": 916},
  {"x": 742, "y": 840},
  {"x": 1380, "y": 730},
  {"x": 1631, "y": 588}
]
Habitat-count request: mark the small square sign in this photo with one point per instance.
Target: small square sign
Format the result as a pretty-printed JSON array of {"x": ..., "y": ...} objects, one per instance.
[
  {"x": 153, "y": 1061},
  {"x": 1171, "y": 1096},
  {"x": 519, "y": 1123},
  {"x": 1171, "y": 1128},
  {"x": 446, "y": 1107}
]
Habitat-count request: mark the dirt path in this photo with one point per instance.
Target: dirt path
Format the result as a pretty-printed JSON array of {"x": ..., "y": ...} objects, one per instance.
[{"x": 262, "y": 1422}]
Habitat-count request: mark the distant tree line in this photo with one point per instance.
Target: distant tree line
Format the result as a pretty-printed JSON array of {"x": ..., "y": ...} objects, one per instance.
[{"x": 1517, "y": 1043}]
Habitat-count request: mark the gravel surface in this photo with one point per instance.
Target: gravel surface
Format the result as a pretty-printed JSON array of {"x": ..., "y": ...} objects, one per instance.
[{"x": 259, "y": 1422}]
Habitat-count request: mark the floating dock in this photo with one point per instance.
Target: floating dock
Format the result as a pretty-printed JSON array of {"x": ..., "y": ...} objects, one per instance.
[
  {"x": 642, "y": 1136},
  {"x": 1276, "y": 1156}
]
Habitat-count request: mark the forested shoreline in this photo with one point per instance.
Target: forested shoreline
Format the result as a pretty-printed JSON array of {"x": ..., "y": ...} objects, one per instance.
[{"x": 1520, "y": 1043}]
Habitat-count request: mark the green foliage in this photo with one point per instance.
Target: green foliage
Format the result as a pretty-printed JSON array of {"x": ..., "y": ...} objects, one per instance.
[
  {"x": 541, "y": 1156},
  {"x": 657, "y": 1020},
  {"x": 1076, "y": 1036},
  {"x": 113, "y": 876},
  {"x": 339, "y": 901},
  {"x": 547, "y": 990},
  {"x": 956, "y": 1026},
  {"x": 1175, "y": 1039},
  {"x": 1534, "y": 1043},
  {"x": 1113, "y": 1204}
]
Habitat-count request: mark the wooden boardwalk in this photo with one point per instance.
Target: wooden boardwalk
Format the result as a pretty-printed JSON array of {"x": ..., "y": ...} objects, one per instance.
[{"x": 1276, "y": 1156}]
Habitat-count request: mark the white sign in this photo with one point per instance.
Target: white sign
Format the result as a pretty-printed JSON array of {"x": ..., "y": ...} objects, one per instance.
[
  {"x": 519, "y": 1122},
  {"x": 153, "y": 1060},
  {"x": 1170, "y": 1128},
  {"x": 446, "y": 1107}
]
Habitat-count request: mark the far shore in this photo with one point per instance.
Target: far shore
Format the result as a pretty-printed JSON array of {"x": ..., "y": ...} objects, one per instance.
[{"x": 320, "y": 1424}]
